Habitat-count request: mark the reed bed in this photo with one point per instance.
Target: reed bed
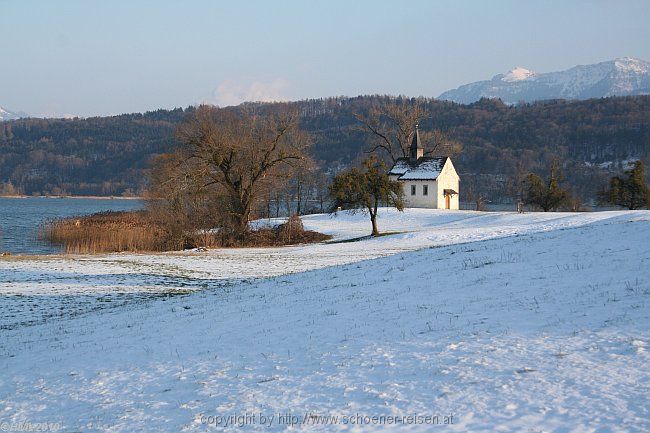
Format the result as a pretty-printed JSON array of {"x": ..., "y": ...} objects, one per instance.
[
  {"x": 108, "y": 232},
  {"x": 136, "y": 231}
]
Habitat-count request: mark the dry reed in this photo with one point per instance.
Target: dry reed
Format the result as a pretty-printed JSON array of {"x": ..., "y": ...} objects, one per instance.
[
  {"x": 107, "y": 232},
  {"x": 136, "y": 231}
]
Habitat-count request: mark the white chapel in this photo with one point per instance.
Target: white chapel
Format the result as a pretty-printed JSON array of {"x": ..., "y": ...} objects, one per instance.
[{"x": 428, "y": 182}]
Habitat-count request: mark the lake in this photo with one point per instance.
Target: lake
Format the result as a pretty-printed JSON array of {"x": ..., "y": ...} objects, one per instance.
[{"x": 20, "y": 219}]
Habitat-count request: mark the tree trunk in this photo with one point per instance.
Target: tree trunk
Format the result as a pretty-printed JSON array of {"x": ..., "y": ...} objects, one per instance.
[
  {"x": 375, "y": 230},
  {"x": 299, "y": 199},
  {"x": 287, "y": 203},
  {"x": 373, "y": 219},
  {"x": 277, "y": 205},
  {"x": 241, "y": 208}
]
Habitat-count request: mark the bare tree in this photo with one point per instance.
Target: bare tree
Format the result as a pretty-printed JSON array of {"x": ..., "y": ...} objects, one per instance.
[
  {"x": 237, "y": 153},
  {"x": 392, "y": 124},
  {"x": 321, "y": 191},
  {"x": 273, "y": 186},
  {"x": 473, "y": 192},
  {"x": 178, "y": 201},
  {"x": 303, "y": 184}
]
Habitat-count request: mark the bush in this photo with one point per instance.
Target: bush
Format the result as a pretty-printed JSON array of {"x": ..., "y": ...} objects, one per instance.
[{"x": 290, "y": 233}]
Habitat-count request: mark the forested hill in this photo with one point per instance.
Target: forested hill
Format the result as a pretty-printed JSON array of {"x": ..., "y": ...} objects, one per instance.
[
  {"x": 94, "y": 156},
  {"x": 110, "y": 155}
]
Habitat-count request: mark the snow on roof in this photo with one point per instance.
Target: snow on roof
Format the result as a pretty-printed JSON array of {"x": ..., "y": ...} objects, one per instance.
[
  {"x": 400, "y": 167},
  {"x": 424, "y": 169}
]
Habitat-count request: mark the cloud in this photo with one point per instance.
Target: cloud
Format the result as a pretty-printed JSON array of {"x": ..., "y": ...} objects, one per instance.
[{"x": 233, "y": 92}]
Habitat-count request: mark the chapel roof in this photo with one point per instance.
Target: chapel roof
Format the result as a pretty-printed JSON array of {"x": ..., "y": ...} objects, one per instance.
[{"x": 425, "y": 168}]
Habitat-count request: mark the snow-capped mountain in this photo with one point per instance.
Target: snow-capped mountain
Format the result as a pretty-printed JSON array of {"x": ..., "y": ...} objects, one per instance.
[
  {"x": 8, "y": 115},
  {"x": 619, "y": 77}
]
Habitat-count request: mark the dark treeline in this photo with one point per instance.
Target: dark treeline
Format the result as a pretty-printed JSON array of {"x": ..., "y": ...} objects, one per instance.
[
  {"x": 95, "y": 156},
  {"x": 501, "y": 144}
]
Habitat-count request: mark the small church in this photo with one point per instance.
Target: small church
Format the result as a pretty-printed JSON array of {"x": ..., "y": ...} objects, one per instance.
[{"x": 428, "y": 182}]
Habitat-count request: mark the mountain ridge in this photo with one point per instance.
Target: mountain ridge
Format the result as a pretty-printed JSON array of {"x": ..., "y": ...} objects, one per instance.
[
  {"x": 8, "y": 115},
  {"x": 625, "y": 76}
]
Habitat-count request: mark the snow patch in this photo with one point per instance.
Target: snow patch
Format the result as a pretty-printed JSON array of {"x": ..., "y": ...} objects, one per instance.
[
  {"x": 425, "y": 169},
  {"x": 631, "y": 64},
  {"x": 517, "y": 74}
]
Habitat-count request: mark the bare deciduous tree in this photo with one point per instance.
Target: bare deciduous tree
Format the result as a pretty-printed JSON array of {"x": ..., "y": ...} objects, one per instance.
[
  {"x": 234, "y": 155},
  {"x": 321, "y": 191},
  {"x": 392, "y": 124},
  {"x": 473, "y": 192}
]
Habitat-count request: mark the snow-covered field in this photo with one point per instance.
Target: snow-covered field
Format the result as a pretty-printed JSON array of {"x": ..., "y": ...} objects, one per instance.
[{"x": 507, "y": 322}]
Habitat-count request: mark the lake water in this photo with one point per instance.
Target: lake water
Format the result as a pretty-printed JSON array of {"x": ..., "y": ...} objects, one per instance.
[{"x": 20, "y": 219}]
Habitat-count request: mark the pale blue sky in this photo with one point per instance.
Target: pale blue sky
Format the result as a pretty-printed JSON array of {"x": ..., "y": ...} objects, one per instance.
[{"x": 85, "y": 57}]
